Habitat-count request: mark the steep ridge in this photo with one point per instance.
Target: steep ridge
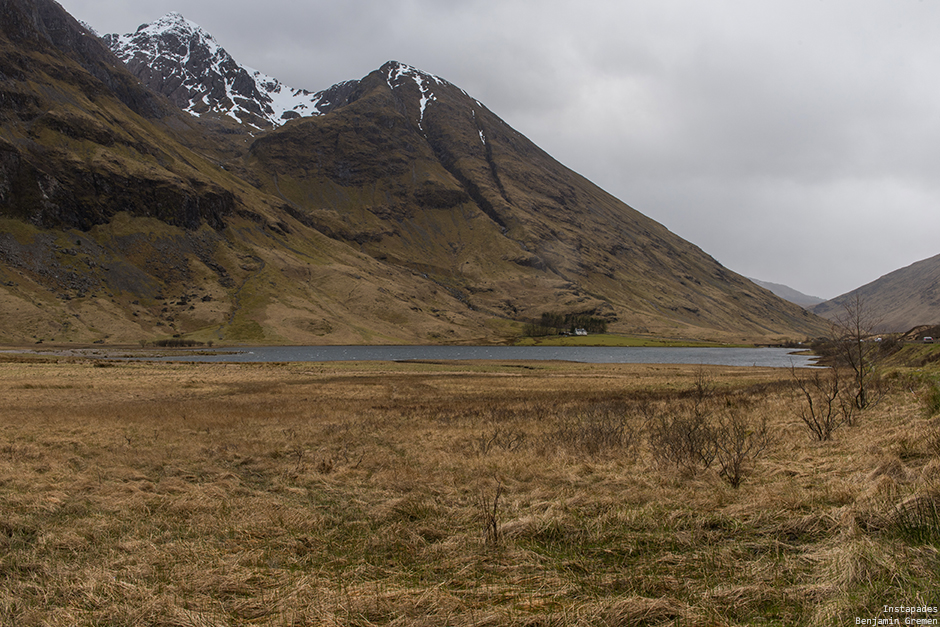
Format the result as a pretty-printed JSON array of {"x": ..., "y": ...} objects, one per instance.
[
  {"x": 180, "y": 60},
  {"x": 402, "y": 211},
  {"x": 419, "y": 174},
  {"x": 79, "y": 142},
  {"x": 30, "y": 29},
  {"x": 119, "y": 223},
  {"x": 898, "y": 301}
]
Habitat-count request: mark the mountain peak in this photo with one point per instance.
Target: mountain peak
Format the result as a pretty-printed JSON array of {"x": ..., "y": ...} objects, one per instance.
[
  {"x": 184, "y": 62},
  {"x": 172, "y": 20},
  {"x": 396, "y": 73},
  {"x": 396, "y": 69},
  {"x": 171, "y": 24},
  {"x": 175, "y": 17}
]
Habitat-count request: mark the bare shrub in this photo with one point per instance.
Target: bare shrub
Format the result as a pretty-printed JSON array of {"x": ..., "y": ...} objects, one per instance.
[
  {"x": 853, "y": 331},
  {"x": 691, "y": 436},
  {"x": 488, "y": 507},
  {"x": 682, "y": 437},
  {"x": 739, "y": 440},
  {"x": 828, "y": 405},
  {"x": 703, "y": 391},
  {"x": 506, "y": 439},
  {"x": 599, "y": 429}
]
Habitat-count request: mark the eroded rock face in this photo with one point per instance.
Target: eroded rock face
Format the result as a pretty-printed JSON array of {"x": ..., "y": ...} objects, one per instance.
[{"x": 64, "y": 163}]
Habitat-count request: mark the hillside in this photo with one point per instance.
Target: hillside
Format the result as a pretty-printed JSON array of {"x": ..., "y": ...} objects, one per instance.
[
  {"x": 115, "y": 226},
  {"x": 404, "y": 211},
  {"x": 788, "y": 293},
  {"x": 898, "y": 301},
  {"x": 417, "y": 173}
]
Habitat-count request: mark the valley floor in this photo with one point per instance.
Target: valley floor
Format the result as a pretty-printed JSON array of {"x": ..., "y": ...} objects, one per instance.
[{"x": 453, "y": 494}]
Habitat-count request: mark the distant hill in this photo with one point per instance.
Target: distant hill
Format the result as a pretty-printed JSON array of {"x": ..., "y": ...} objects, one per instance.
[
  {"x": 790, "y": 294},
  {"x": 394, "y": 208},
  {"x": 899, "y": 301}
]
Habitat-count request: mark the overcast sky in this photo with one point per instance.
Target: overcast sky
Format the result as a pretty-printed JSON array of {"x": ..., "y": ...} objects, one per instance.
[{"x": 796, "y": 141}]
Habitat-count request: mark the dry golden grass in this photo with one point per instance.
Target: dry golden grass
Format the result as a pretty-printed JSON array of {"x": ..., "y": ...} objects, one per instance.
[{"x": 443, "y": 494}]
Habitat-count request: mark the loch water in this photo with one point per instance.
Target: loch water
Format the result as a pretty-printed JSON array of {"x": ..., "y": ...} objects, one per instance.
[{"x": 768, "y": 357}]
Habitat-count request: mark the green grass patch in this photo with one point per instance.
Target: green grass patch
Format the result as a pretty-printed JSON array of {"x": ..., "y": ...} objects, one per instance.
[{"x": 23, "y": 232}]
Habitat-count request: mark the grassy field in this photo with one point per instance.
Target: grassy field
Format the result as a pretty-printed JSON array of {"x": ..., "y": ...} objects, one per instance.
[{"x": 453, "y": 494}]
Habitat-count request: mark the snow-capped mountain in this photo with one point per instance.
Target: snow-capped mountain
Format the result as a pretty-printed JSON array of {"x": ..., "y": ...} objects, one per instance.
[
  {"x": 177, "y": 58},
  {"x": 396, "y": 207}
]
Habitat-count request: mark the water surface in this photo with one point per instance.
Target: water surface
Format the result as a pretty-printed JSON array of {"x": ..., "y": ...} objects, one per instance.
[{"x": 770, "y": 357}]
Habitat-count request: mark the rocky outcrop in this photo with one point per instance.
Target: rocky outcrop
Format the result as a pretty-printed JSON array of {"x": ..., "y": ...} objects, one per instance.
[{"x": 64, "y": 162}]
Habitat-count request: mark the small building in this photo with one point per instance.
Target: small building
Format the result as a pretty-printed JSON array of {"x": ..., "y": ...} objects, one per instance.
[{"x": 580, "y": 332}]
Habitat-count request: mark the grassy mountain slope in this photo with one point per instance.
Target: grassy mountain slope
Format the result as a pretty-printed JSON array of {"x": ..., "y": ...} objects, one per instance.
[
  {"x": 401, "y": 215},
  {"x": 112, "y": 228},
  {"x": 899, "y": 301},
  {"x": 80, "y": 140},
  {"x": 456, "y": 193},
  {"x": 788, "y": 293}
]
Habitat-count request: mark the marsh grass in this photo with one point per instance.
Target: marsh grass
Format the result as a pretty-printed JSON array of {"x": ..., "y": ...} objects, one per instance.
[
  {"x": 917, "y": 519},
  {"x": 442, "y": 494}
]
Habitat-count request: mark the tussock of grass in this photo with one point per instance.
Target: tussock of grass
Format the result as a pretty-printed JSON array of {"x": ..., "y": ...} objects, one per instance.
[{"x": 443, "y": 494}]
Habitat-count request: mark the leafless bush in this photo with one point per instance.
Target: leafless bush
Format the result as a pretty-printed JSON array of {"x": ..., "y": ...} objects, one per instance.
[
  {"x": 829, "y": 403},
  {"x": 682, "y": 437},
  {"x": 703, "y": 391},
  {"x": 853, "y": 332},
  {"x": 500, "y": 438},
  {"x": 738, "y": 442},
  {"x": 706, "y": 428},
  {"x": 596, "y": 430},
  {"x": 489, "y": 512}
]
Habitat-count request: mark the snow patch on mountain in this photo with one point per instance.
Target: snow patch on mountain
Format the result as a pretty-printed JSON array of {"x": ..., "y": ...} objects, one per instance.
[
  {"x": 184, "y": 62},
  {"x": 179, "y": 59},
  {"x": 397, "y": 73}
]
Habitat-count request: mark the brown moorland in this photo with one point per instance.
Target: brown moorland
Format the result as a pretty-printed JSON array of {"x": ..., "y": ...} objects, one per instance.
[{"x": 466, "y": 493}]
